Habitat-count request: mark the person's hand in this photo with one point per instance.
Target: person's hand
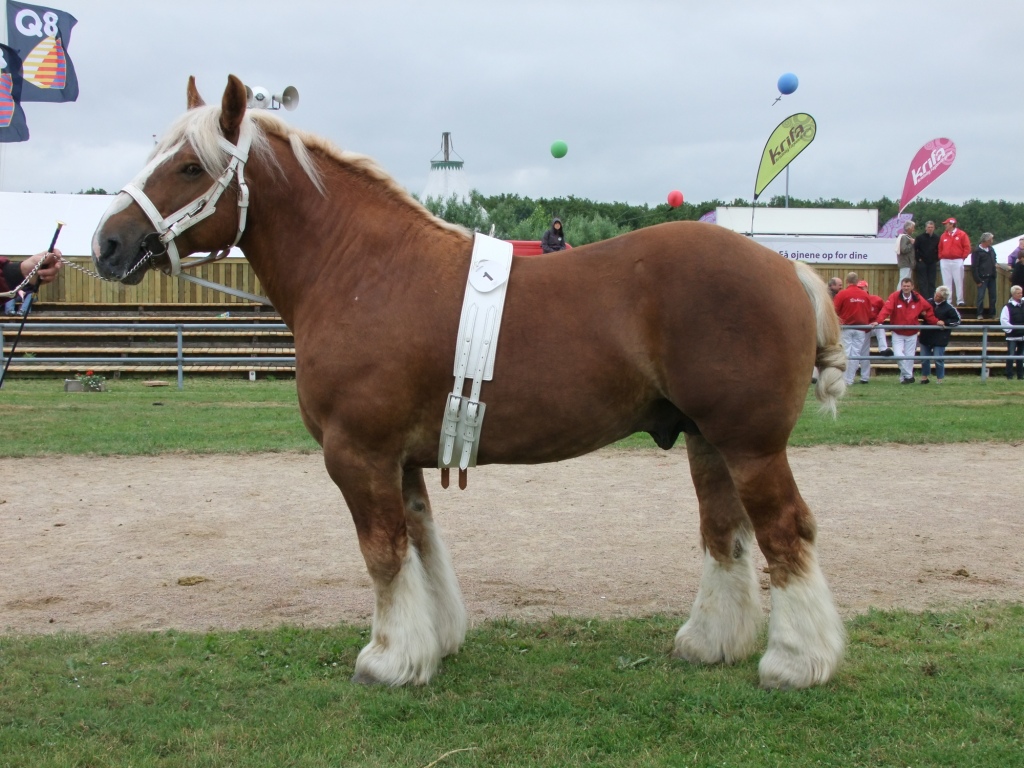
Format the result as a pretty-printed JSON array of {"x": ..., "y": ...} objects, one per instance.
[
  {"x": 50, "y": 266},
  {"x": 939, "y": 322},
  {"x": 874, "y": 325}
]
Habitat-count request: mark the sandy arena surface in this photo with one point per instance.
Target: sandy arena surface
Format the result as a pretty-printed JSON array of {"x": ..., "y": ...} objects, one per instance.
[{"x": 108, "y": 545}]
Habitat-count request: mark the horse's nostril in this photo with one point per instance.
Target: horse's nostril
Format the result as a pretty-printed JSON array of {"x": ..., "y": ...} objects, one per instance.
[{"x": 110, "y": 247}]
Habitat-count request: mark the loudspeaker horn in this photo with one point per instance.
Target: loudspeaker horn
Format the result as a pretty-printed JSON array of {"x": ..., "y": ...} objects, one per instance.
[{"x": 289, "y": 99}]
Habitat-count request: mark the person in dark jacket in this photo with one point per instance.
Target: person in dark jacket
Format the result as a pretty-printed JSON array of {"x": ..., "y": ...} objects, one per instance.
[
  {"x": 13, "y": 274},
  {"x": 1017, "y": 274},
  {"x": 926, "y": 251},
  {"x": 1013, "y": 315},
  {"x": 835, "y": 285},
  {"x": 935, "y": 339},
  {"x": 983, "y": 270},
  {"x": 554, "y": 238}
]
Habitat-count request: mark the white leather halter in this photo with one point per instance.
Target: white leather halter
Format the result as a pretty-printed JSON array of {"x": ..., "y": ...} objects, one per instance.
[{"x": 171, "y": 226}]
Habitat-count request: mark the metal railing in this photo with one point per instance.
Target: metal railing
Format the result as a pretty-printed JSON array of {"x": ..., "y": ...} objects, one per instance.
[
  {"x": 181, "y": 359},
  {"x": 985, "y": 358}
]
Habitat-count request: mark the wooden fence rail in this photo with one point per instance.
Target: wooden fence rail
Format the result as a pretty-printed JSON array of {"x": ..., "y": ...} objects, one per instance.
[{"x": 74, "y": 287}]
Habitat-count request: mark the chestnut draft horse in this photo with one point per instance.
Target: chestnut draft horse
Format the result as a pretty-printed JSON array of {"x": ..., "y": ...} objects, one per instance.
[{"x": 678, "y": 328}]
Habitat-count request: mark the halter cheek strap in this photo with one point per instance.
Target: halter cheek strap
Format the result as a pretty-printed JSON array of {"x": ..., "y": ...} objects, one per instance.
[{"x": 171, "y": 226}]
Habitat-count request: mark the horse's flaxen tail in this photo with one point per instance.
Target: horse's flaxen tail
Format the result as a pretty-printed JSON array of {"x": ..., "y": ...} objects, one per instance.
[{"x": 830, "y": 359}]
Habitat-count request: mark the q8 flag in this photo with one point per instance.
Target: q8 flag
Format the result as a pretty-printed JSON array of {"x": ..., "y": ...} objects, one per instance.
[
  {"x": 12, "y": 117},
  {"x": 41, "y": 37}
]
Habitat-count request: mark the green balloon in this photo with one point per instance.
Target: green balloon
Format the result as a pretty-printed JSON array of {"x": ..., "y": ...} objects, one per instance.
[{"x": 559, "y": 148}]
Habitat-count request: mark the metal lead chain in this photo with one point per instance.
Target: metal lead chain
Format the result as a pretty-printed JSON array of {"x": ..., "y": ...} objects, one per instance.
[{"x": 146, "y": 257}]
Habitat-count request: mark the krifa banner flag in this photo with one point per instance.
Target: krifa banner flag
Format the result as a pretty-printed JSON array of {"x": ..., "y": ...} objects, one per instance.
[
  {"x": 41, "y": 37},
  {"x": 931, "y": 161},
  {"x": 792, "y": 137},
  {"x": 12, "y": 117},
  {"x": 894, "y": 226}
]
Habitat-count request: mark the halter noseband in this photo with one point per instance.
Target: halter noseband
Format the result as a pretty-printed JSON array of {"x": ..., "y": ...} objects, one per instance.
[{"x": 170, "y": 227}]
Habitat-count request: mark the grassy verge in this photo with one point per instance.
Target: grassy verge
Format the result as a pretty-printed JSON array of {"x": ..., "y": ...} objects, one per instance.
[
  {"x": 208, "y": 416},
  {"x": 915, "y": 689},
  {"x": 961, "y": 409},
  {"x": 231, "y": 416}
]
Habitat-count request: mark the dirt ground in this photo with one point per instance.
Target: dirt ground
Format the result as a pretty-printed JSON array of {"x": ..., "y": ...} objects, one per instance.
[{"x": 108, "y": 545}]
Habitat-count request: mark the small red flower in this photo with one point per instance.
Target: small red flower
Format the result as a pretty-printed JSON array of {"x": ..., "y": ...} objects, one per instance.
[{"x": 88, "y": 373}]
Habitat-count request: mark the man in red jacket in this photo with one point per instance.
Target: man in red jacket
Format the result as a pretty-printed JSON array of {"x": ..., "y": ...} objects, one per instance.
[
  {"x": 877, "y": 302},
  {"x": 854, "y": 308},
  {"x": 954, "y": 247},
  {"x": 906, "y": 307}
]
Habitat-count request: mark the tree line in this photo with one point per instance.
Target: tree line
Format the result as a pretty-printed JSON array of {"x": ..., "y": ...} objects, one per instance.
[{"x": 515, "y": 217}]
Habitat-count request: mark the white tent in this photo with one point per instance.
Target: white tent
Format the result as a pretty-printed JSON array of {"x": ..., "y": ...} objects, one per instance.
[
  {"x": 28, "y": 220},
  {"x": 1006, "y": 247}
]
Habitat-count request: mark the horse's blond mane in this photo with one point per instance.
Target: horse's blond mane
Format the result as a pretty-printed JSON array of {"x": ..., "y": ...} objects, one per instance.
[{"x": 200, "y": 127}]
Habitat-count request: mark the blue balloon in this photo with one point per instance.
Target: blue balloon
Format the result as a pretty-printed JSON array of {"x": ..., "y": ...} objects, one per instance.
[{"x": 788, "y": 83}]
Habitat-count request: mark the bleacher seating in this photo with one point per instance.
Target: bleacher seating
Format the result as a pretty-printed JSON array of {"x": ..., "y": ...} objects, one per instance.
[{"x": 273, "y": 346}]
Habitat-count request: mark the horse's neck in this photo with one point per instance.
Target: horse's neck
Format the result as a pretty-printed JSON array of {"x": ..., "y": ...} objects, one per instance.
[{"x": 350, "y": 239}]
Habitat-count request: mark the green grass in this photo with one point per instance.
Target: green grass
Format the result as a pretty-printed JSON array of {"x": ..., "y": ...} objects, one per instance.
[
  {"x": 208, "y": 416},
  {"x": 915, "y": 689},
  {"x": 232, "y": 416},
  {"x": 962, "y": 409}
]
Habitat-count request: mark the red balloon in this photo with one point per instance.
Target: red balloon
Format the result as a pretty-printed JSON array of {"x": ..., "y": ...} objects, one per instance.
[{"x": 675, "y": 198}]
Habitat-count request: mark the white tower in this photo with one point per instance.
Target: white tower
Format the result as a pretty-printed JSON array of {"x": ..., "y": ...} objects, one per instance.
[{"x": 447, "y": 177}]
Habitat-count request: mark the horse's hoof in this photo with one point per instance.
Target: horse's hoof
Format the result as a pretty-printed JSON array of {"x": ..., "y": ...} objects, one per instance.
[
  {"x": 692, "y": 647},
  {"x": 786, "y": 670}
]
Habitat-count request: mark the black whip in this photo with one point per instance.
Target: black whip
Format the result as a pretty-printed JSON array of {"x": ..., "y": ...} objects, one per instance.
[{"x": 26, "y": 307}]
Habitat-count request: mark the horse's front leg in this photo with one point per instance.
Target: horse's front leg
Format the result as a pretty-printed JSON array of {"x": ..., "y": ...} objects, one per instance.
[
  {"x": 449, "y": 612},
  {"x": 404, "y": 646}
]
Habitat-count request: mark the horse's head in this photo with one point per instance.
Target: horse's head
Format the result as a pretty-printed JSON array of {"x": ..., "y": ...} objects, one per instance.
[{"x": 171, "y": 207}]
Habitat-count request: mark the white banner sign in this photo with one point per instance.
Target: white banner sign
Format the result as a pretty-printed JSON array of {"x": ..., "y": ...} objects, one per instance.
[{"x": 833, "y": 250}]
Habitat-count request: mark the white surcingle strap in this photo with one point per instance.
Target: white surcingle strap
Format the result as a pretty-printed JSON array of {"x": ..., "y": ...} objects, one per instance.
[{"x": 475, "y": 350}]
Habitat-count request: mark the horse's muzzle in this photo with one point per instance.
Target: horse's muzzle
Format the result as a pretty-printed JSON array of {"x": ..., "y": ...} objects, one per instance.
[{"x": 120, "y": 262}]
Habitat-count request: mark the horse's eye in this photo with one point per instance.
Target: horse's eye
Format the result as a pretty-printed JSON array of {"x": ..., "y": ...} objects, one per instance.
[{"x": 193, "y": 170}]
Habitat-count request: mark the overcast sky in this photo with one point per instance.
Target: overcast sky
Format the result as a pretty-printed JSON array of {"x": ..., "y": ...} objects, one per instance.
[{"x": 650, "y": 96}]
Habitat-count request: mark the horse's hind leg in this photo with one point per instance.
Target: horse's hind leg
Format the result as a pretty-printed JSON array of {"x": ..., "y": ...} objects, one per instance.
[
  {"x": 726, "y": 616},
  {"x": 448, "y": 611},
  {"x": 805, "y": 634},
  {"x": 404, "y": 646}
]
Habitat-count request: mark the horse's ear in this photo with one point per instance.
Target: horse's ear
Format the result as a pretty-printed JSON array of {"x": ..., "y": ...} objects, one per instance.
[
  {"x": 232, "y": 108},
  {"x": 194, "y": 99}
]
